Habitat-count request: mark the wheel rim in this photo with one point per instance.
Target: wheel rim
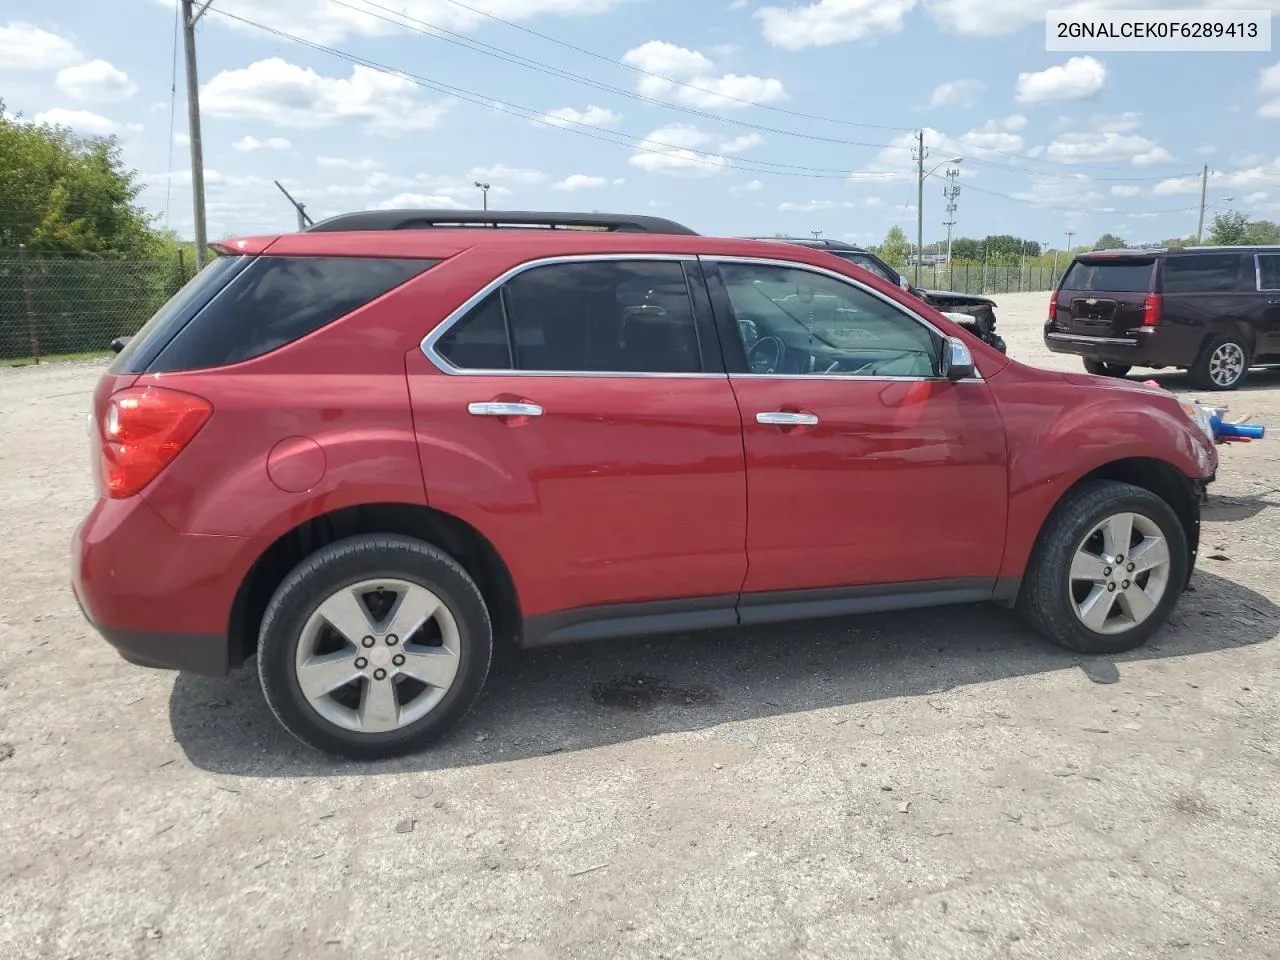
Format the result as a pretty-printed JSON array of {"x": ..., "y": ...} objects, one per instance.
[
  {"x": 1119, "y": 573},
  {"x": 1226, "y": 364},
  {"x": 377, "y": 655}
]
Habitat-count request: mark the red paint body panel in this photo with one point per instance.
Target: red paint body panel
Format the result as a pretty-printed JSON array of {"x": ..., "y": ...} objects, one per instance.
[
  {"x": 899, "y": 481},
  {"x": 625, "y": 489}
]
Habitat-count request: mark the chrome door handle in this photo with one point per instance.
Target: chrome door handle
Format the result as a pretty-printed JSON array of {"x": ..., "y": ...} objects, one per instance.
[
  {"x": 781, "y": 419},
  {"x": 504, "y": 409}
]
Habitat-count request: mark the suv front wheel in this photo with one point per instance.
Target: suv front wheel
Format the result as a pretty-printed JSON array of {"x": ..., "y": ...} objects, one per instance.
[
  {"x": 374, "y": 646},
  {"x": 1107, "y": 568}
]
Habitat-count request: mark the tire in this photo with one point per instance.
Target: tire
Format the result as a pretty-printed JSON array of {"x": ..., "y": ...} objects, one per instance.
[
  {"x": 392, "y": 579},
  {"x": 1100, "y": 369},
  {"x": 1055, "y": 592},
  {"x": 1213, "y": 368}
]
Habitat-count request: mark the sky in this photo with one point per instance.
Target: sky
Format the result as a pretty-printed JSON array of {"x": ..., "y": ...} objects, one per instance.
[{"x": 735, "y": 117}]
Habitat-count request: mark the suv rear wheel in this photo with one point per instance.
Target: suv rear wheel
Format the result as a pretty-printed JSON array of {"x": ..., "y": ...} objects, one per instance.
[
  {"x": 1107, "y": 569},
  {"x": 1222, "y": 364},
  {"x": 1100, "y": 369},
  {"x": 374, "y": 646}
]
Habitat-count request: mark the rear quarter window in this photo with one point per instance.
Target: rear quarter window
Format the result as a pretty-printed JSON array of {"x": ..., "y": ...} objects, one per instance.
[
  {"x": 276, "y": 300},
  {"x": 1095, "y": 277},
  {"x": 1204, "y": 273}
]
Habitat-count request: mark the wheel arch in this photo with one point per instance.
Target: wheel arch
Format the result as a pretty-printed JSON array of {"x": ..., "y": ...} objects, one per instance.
[{"x": 471, "y": 549}]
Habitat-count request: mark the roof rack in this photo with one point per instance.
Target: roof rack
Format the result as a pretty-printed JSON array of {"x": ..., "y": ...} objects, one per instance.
[{"x": 498, "y": 220}]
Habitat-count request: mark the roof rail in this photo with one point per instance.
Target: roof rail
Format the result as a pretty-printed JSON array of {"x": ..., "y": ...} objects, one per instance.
[{"x": 498, "y": 219}]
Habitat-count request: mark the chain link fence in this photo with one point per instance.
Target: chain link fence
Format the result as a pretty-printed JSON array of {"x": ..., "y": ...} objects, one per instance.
[
  {"x": 60, "y": 307},
  {"x": 987, "y": 279}
]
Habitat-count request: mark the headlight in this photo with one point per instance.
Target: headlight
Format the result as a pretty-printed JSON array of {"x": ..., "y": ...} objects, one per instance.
[{"x": 1201, "y": 416}]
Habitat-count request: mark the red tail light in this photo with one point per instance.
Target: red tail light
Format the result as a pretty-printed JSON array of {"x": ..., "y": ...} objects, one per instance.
[
  {"x": 1053, "y": 307},
  {"x": 143, "y": 430},
  {"x": 1151, "y": 310}
]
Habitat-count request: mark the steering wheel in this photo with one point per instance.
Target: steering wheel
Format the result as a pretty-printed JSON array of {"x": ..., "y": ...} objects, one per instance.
[{"x": 759, "y": 359}]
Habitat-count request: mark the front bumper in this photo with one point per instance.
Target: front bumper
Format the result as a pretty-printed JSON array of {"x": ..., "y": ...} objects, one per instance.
[{"x": 161, "y": 598}]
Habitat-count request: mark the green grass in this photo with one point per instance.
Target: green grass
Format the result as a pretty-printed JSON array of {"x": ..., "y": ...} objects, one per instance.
[{"x": 54, "y": 358}]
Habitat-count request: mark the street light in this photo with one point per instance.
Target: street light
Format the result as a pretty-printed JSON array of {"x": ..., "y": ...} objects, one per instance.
[
  {"x": 484, "y": 191},
  {"x": 920, "y": 207},
  {"x": 1210, "y": 207}
]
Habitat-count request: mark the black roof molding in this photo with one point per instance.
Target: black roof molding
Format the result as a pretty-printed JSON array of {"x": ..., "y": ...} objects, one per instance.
[{"x": 498, "y": 220}]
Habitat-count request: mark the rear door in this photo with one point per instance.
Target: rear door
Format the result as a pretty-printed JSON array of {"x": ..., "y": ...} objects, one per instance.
[
  {"x": 1267, "y": 277},
  {"x": 1210, "y": 293},
  {"x": 576, "y": 412},
  {"x": 1105, "y": 296}
]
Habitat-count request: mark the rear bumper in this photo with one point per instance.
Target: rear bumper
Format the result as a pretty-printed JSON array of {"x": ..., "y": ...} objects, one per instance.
[
  {"x": 161, "y": 598},
  {"x": 1155, "y": 347}
]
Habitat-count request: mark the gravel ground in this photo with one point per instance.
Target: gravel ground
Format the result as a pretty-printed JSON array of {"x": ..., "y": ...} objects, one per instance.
[{"x": 926, "y": 785}]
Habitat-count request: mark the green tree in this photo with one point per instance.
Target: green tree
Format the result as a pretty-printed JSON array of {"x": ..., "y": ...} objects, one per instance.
[
  {"x": 896, "y": 248},
  {"x": 1002, "y": 248},
  {"x": 64, "y": 194},
  {"x": 966, "y": 248},
  {"x": 1229, "y": 229},
  {"x": 1263, "y": 231},
  {"x": 1109, "y": 241}
]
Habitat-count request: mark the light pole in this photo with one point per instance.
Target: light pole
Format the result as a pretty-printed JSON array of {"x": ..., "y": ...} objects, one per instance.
[
  {"x": 1203, "y": 210},
  {"x": 920, "y": 200},
  {"x": 484, "y": 192}
]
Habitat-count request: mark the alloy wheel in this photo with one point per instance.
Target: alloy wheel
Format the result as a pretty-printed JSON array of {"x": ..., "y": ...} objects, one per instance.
[
  {"x": 1119, "y": 573},
  {"x": 1226, "y": 365}
]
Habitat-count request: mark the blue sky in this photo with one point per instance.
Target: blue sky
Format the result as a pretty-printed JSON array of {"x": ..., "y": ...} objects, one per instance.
[{"x": 733, "y": 116}]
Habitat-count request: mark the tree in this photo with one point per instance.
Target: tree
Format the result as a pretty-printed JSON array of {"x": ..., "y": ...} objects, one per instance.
[
  {"x": 965, "y": 248},
  {"x": 64, "y": 194},
  {"x": 1263, "y": 231},
  {"x": 1002, "y": 248},
  {"x": 1229, "y": 229},
  {"x": 896, "y": 248},
  {"x": 1109, "y": 241}
]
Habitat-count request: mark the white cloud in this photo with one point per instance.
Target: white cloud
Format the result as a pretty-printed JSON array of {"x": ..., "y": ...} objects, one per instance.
[
  {"x": 1105, "y": 147},
  {"x": 27, "y": 47},
  {"x": 248, "y": 144},
  {"x": 1124, "y": 190},
  {"x": 829, "y": 22},
  {"x": 331, "y": 22},
  {"x": 742, "y": 189},
  {"x": 499, "y": 172},
  {"x": 81, "y": 121},
  {"x": 1236, "y": 181},
  {"x": 182, "y": 139},
  {"x": 1269, "y": 87},
  {"x": 1207, "y": 150},
  {"x": 1256, "y": 197},
  {"x": 1070, "y": 192},
  {"x": 1013, "y": 122},
  {"x": 748, "y": 141},
  {"x": 341, "y": 163},
  {"x": 277, "y": 92},
  {"x": 809, "y": 206},
  {"x": 593, "y": 116},
  {"x": 96, "y": 81},
  {"x": 992, "y": 138},
  {"x": 956, "y": 93},
  {"x": 580, "y": 181},
  {"x": 421, "y": 201},
  {"x": 671, "y": 150},
  {"x": 699, "y": 85},
  {"x": 1078, "y": 78}
]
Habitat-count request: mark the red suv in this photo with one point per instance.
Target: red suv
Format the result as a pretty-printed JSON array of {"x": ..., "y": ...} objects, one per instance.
[{"x": 370, "y": 451}]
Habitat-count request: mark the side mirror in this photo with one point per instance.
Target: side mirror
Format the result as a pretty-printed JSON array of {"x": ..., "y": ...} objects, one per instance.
[
  {"x": 957, "y": 361},
  {"x": 119, "y": 343},
  {"x": 903, "y": 282}
]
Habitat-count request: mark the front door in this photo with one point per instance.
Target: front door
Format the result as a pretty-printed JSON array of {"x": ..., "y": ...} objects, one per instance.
[
  {"x": 864, "y": 466},
  {"x": 574, "y": 415}
]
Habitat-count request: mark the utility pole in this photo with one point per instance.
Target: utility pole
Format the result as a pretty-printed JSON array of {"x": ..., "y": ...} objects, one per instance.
[
  {"x": 817, "y": 234},
  {"x": 919, "y": 158},
  {"x": 951, "y": 191},
  {"x": 189, "y": 19},
  {"x": 303, "y": 218},
  {"x": 484, "y": 190},
  {"x": 1204, "y": 185}
]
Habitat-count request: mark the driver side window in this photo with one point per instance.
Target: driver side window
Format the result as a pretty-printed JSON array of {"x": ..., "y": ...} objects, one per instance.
[{"x": 796, "y": 322}]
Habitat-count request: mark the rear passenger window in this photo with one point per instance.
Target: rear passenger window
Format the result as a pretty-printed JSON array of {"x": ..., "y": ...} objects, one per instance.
[
  {"x": 1202, "y": 273},
  {"x": 1269, "y": 271},
  {"x": 620, "y": 316},
  {"x": 276, "y": 300}
]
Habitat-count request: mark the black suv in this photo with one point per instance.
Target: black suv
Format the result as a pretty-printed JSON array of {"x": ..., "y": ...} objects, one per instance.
[
  {"x": 1213, "y": 311},
  {"x": 982, "y": 310}
]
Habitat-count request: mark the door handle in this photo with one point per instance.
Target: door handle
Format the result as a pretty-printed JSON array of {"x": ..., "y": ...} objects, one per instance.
[
  {"x": 782, "y": 419},
  {"x": 1273, "y": 301},
  {"x": 504, "y": 409}
]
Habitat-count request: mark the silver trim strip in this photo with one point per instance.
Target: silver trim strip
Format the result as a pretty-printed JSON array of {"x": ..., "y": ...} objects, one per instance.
[
  {"x": 1081, "y": 338},
  {"x": 428, "y": 343}
]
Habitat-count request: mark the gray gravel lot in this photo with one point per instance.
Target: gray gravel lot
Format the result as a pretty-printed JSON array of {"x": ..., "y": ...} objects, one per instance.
[{"x": 927, "y": 785}]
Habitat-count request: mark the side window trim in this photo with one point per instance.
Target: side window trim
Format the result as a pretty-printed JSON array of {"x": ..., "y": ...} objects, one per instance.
[
  {"x": 737, "y": 358},
  {"x": 1257, "y": 271},
  {"x": 429, "y": 342}
]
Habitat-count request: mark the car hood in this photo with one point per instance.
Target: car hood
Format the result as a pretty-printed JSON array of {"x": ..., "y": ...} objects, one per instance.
[{"x": 960, "y": 297}]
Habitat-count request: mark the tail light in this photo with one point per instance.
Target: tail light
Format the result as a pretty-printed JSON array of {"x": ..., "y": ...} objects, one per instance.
[
  {"x": 1151, "y": 310},
  {"x": 1053, "y": 307},
  {"x": 143, "y": 430}
]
